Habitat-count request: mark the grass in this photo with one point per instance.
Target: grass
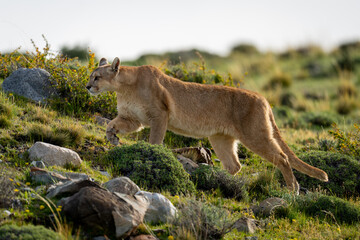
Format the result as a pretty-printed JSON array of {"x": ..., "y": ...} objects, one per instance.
[{"x": 306, "y": 125}]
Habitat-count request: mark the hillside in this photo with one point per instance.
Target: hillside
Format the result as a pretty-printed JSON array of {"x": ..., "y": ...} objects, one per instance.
[{"x": 315, "y": 100}]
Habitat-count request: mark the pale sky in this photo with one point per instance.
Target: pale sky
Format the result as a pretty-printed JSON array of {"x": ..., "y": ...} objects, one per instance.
[{"x": 130, "y": 28}]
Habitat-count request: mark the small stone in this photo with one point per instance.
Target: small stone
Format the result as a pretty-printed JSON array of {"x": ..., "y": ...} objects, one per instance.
[
  {"x": 122, "y": 185},
  {"x": 105, "y": 173},
  {"x": 102, "y": 121},
  {"x": 245, "y": 224},
  {"x": 188, "y": 164},
  {"x": 143, "y": 237},
  {"x": 38, "y": 164},
  {"x": 42, "y": 176},
  {"x": 267, "y": 207},
  {"x": 160, "y": 210},
  {"x": 5, "y": 214}
]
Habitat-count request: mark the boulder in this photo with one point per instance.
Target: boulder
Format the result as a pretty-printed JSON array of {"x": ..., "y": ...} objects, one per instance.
[
  {"x": 267, "y": 207},
  {"x": 53, "y": 155},
  {"x": 69, "y": 188},
  {"x": 244, "y": 224},
  {"x": 122, "y": 185},
  {"x": 160, "y": 210},
  {"x": 197, "y": 154},
  {"x": 98, "y": 210},
  {"x": 32, "y": 83},
  {"x": 187, "y": 163}
]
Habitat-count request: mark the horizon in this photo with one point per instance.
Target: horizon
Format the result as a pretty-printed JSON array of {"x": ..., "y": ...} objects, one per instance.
[{"x": 129, "y": 30}]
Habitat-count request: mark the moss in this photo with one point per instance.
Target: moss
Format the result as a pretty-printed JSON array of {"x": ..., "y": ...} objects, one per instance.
[
  {"x": 151, "y": 166},
  {"x": 28, "y": 232},
  {"x": 4, "y": 122}
]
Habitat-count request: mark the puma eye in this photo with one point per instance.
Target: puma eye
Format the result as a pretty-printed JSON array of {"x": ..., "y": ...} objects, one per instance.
[{"x": 96, "y": 78}]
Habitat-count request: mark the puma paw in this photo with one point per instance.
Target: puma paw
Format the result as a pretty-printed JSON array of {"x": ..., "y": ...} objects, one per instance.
[{"x": 111, "y": 136}]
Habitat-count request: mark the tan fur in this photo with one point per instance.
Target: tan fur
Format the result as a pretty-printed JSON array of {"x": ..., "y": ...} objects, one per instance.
[{"x": 146, "y": 97}]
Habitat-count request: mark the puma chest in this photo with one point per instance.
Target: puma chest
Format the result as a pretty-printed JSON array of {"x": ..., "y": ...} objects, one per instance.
[{"x": 133, "y": 110}]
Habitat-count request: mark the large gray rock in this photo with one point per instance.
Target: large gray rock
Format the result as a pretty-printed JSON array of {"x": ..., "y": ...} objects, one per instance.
[
  {"x": 98, "y": 209},
  {"x": 188, "y": 164},
  {"x": 30, "y": 83},
  {"x": 160, "y": 210},
  {"x": 122, "y": 185},
  {"x": 41, "y": 176},
  {"x": 53, "y": 155}
]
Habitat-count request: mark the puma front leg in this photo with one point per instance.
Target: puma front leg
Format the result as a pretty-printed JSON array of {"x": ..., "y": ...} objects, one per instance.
[
  {"x": 158, "y": 128},
  {"x": 120, "y": 125}
]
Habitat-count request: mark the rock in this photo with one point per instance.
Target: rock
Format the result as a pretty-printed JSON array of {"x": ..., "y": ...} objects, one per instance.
[
  {"x": 245, "y": 224},
  {"x": 122, "y": 185},
  {"x": 143, "y": 237},
  {"x": 69, "y": 188},
  {"x": 197, "y": 154},
  {"x": 267, "y": 207},
  {"x": 30, "y": 83},
  {"x": 187, "y": 163},
  {"x": 38, "y": 164},
  {"x": 53, "y": 155},
  {"x": 102, "y": 121},
  {"x": 101, "y": 238},
  {"x": 41, "y": 176},
  {"x": 75, "y": 175},
  {"x": 160, "y": 210},
  {"x": 5, "y": 214},
  {"x": 97, "y": 209}
]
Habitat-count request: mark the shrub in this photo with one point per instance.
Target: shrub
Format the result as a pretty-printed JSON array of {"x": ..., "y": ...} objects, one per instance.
[
  {"x": 213, "y": 178},
  {"x": 346, "y": 105},
  {"x": 328, "y": 207},
  {"x": 343, "y": 172},
  {"x": 28, "y": 232},
  {"x": 346, "y": 88},
  {"x": 74, "y": 132},
  {"x": 69, "y": 78},
  {"x": 264, "y": 185},
  {"x": 198, "y": 220},
  {"x": 347, "y": 143},
  {"x": 5, "y": 110},
  {"x": 319, "y": 119},
  {"x": 245, "y": 49},
  {"x": 279, "y": 80},
  {"x": 151, "y": 166},
  {"x": 39, "y": 132}
]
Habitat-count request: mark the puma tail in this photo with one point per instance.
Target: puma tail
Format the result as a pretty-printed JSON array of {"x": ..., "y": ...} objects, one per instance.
[{"x": 295, "y": 162}]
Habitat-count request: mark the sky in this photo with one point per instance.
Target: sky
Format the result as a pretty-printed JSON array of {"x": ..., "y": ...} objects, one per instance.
[{"x": 128, "y": 29}]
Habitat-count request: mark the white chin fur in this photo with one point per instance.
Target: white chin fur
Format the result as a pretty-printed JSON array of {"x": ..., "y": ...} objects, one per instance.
[{"x": 94, "y": 93}]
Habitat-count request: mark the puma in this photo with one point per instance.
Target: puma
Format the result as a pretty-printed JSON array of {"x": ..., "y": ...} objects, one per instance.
[{"x": 146, "y": 97}]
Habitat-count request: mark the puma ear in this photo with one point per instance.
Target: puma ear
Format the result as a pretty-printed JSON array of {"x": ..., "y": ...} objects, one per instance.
[
  {"x": 103, "y": 61},
  {"x": 115, "y": 64}
]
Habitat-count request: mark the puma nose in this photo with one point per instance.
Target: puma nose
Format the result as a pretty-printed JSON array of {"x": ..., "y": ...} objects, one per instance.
[{"x": 88, "y": 87}]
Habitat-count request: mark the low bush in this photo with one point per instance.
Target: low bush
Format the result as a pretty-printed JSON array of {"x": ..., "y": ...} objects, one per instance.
[
  {"x": 213, "y": 178},
  {"x": 28, "y": 232},
  {"x": 74, "y": 132},
  {"x": 198, "y": 220},
  {"x": 279, "y": 80},
  {"x": 153, "y": 167},
  {"x": 347, "y": 143},
  {"x": 317, "y": 120},
  {"x": 343, "y": 172},
  {"x": 328, "y": 207},
  {"x": 43, "y": 133}
]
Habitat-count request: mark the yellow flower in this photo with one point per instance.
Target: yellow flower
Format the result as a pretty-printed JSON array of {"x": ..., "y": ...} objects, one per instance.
[
  {"x": 294, "y": 220},
  {"x": 41, "y": 207},
  {"x": 27, "y": 210},
  {"x": 27, "y": 183},
  {"x": 170, "y": 237},
  {"x": 176, "y": 196},
  {"x": 16, "y": 190},
  {"x": 11, "y": 179},
  {"x": 18, "y": 183}
]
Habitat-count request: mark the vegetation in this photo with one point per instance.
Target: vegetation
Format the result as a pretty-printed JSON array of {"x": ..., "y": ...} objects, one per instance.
[
  {"x": 315, "y": 99},
  {"x": 150, "y": 166},
  {"x": 28, "y": 232}
]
